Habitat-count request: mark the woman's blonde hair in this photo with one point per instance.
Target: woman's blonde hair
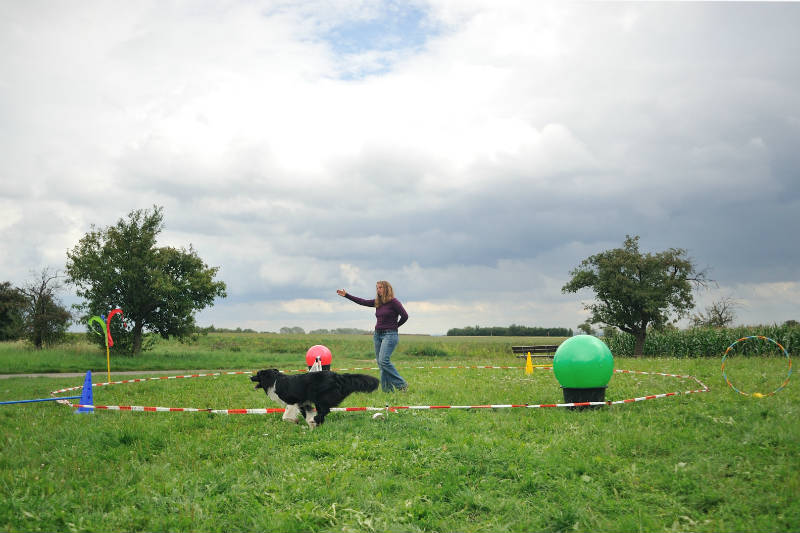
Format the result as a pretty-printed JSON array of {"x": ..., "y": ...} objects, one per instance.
[{"x": 388, "y": 293}]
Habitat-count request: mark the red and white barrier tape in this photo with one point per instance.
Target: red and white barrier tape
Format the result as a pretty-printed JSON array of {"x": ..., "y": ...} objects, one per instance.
[
  {"x": 140, "y": 380},
  {"x": 140, "y": 408}
]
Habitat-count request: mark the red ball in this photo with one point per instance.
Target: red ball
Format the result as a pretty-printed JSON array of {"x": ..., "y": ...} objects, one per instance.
[{"x": 318, "y": 350}]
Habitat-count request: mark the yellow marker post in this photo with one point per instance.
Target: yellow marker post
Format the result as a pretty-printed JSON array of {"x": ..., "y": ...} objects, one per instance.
[
  {"x": 106, "y": 333},
  {"x": 529, "y": 365}
]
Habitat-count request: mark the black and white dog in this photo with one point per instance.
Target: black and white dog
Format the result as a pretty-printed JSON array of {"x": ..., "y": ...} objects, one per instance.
[{"x": 303, "y": 392}]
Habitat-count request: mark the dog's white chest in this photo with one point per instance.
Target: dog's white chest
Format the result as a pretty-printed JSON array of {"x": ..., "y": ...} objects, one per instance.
[{"x": 274, "y": 396}]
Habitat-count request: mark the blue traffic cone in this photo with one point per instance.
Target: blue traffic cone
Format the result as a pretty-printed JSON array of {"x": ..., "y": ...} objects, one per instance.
[{"x": 86, "y": 394}]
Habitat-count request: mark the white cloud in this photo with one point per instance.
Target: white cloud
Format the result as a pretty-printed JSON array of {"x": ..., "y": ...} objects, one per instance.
[
  {"x": 304, "y": 305},
  {"x": 10, "y": 214},
  {"x": 350, "y": 273}
]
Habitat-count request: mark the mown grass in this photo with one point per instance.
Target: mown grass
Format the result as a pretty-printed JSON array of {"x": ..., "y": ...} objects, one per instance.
[
  {"x": 246, "y": 350},
  {"x": 712, "y": 461}
]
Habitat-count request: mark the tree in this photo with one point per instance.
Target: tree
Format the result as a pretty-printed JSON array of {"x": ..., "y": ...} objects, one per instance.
[
  {"x": 586, "y": 327},
  {"x": 12, "y": 305},
  {"x": 609, "y": 331},
  {"x": 635, "y": 290},
  {"x": 720, "y": 314},
  {"x": 158, "y": 288},
  {"x": 44, "y": 319}
]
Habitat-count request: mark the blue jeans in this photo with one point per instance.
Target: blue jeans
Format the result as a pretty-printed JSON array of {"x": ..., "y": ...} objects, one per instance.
[{"x": 385, "y": 342}]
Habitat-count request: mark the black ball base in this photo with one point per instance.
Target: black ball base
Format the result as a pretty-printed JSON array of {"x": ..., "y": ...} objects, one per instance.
[{"x": 573, "y": 395}]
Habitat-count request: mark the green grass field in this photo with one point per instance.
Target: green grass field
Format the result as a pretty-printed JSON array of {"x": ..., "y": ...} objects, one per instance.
[{"x": 711, "y": 461}]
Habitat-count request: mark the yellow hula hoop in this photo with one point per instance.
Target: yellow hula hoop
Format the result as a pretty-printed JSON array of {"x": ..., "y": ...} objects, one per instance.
[{"x": 757, "y": 394}]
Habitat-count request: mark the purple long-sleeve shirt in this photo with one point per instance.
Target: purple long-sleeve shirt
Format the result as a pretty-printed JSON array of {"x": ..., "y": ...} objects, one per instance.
[{"x": 390, "y": 315}]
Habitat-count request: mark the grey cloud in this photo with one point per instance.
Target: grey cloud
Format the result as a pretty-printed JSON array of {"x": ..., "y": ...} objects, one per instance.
[{"x": 476, "y": 168}]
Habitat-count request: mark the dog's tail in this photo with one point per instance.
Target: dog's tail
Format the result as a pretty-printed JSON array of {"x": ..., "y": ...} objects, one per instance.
[{"x": 358, "y": 382}]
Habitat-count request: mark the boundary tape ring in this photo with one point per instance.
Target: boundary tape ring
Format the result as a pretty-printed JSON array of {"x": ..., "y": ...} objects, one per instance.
[{"x": 261, "y": 411}]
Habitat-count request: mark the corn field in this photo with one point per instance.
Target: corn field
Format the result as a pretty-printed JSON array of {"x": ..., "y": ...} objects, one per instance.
[{"x": 707, "y": 342}]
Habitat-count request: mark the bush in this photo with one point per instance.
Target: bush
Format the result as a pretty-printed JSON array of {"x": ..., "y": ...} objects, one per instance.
[{"x": 426, "y": 350}]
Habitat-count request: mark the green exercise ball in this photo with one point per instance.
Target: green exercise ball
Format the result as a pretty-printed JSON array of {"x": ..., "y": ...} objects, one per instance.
[{"x": 583, "y": 362}]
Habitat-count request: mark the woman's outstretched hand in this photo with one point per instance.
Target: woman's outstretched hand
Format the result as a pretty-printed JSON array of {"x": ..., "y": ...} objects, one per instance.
[{"x": 341, "y": 292}]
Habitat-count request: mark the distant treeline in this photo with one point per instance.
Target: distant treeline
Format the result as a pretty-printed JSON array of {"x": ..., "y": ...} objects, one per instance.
[
  {"x": 213, "y": 329},
  {"x": 296, "y": 330},
  {"x": 340, "y": 331},
  {"x": 511, "y": 331}
]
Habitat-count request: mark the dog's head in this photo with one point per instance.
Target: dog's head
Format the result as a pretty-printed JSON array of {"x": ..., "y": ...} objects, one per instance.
[{"x": 265, "y": 378}]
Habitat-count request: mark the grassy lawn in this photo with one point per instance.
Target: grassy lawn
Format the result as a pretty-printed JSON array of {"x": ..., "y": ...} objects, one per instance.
[
  {"x": 712, "y": 461},
  {"x": 249, "y": 351}
]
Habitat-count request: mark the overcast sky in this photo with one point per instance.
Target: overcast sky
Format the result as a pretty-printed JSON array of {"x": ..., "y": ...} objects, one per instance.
[{"x": 470, "y": 152}]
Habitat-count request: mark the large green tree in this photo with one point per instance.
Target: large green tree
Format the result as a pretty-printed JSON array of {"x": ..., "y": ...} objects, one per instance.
[
  {"x": 12, "y": 305},
  {"x": 158, "y": 288},
  {"x": 635, "y": 290}
]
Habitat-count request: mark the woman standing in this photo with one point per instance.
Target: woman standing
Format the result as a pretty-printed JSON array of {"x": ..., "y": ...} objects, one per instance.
[{"x": 391, "y": 315}]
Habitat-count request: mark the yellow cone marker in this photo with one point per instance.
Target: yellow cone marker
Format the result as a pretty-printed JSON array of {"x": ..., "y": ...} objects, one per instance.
[{"x": 529, "y": 365}]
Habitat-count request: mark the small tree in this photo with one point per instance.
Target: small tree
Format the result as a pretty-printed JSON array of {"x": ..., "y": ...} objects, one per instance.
[
  {"x": 609, "y": 331},
  {"x": 720, "y": 314},
  {"x": 12, "y": 307},
  {"x": 586, "y": 327},
  {"x": 45, "y": 320},
  {"x": 635, "y": 290},
  {"x": 158, "y": 288}
]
